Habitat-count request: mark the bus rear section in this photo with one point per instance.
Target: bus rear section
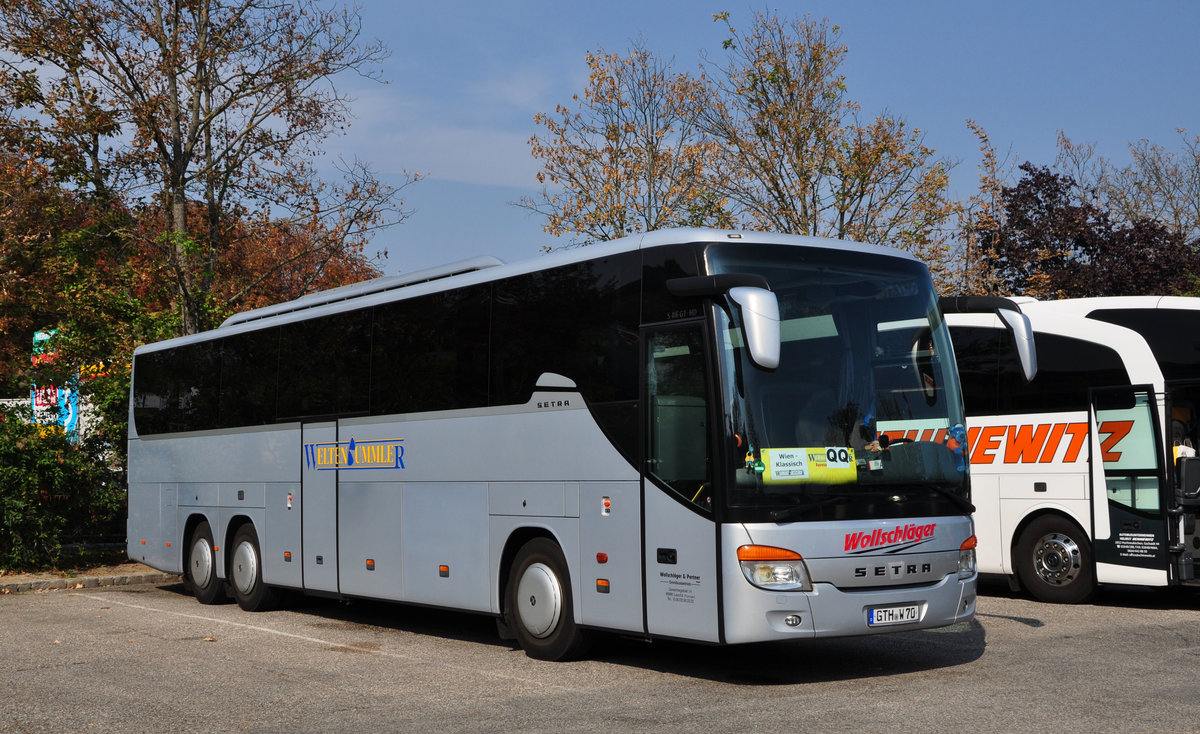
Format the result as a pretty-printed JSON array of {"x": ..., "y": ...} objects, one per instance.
[
  {"x": 1075, "y": 484},
  {"x": 686, "y": 435}
]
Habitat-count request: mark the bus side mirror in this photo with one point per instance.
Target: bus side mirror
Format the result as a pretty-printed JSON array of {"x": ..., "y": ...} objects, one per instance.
[
  {"x": 1022, "y": 333},
  {"x": 1010, "y": 315},
  {"x": 755, "y": 300},
  {"x": 760, "y": 319},
  {"x": 1189, "y": 481}
]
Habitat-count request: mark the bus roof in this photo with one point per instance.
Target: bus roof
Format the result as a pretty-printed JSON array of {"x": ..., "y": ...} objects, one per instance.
[{"x": 1085, "y": 306}]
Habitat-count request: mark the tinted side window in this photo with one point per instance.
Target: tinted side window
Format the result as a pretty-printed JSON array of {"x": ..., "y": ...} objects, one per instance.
[
  {"x": 431, "y": 353},
  {"x": 977, "y": 353},
  {"x": 151, "y": 393},
  {"x": 1173, "y": 336},
  {"x": 660, "y": 265},
  {"x": 325, "y": 366},
  {"x": 678, "y": 450},
  {"x": 177, "y": 389},
  {"x": 1067, "y": 367},
  {"x": 249, "y": 371},
  {"x": 579, "y": 321}
]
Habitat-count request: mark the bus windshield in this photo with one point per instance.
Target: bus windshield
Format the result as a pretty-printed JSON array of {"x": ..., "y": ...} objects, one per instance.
[{"x": 863, "y": 417}]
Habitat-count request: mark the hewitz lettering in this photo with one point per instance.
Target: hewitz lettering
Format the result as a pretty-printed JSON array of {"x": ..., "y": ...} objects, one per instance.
[{"x": 1044, "y": 443}]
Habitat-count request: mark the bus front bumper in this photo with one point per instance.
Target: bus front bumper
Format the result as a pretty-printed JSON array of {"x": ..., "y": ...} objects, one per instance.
[{"x": 756, "y": 615}]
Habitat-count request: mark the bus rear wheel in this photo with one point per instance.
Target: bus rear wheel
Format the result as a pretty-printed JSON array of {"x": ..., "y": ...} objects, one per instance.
[
  {"x": 245, "y": 573},
  {"x": 201, "y": 570},
  {"x": 538, "y": 604},
  {"x": 1054, "y": 561}
]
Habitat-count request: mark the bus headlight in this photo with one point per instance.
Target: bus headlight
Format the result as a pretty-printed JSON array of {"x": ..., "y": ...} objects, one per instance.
[
  {"x": 966, "y": 558},
  {"x": 774, "y": 569}
]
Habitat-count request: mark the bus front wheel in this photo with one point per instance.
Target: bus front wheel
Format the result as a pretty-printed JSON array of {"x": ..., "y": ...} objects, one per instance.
[
  {"x": 538, "y": 605},
  {"x": 1054, "y": 561},
  {"x": 201, "y": 573},
  {"x": 245, "y": 573}
]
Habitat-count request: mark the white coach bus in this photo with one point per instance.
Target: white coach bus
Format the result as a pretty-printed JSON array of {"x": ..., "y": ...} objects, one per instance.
[
  {"x": 673, "y": 435},
  {"x": 1074, "y": 474}
]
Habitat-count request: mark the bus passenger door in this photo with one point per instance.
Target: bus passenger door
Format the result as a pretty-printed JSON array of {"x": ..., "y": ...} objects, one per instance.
[
  {"x": 318, "y": 506},
  {"x": 679, "y": 534},
  {"x": 1128, "y": 486}
]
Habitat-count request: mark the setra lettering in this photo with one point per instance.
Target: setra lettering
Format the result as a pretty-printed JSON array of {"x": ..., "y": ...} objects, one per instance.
[{"x": 893, "y": 570}]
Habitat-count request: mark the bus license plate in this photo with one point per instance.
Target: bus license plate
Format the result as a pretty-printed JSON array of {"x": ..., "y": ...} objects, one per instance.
[{"x": 878, "y": 617}]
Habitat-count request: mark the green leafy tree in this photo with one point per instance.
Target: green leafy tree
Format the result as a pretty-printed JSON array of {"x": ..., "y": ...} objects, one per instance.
[{"x": 52, "y": 491}]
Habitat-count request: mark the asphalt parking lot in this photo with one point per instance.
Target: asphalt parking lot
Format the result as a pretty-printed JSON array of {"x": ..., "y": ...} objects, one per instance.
[{"x": 148, "y": 657}]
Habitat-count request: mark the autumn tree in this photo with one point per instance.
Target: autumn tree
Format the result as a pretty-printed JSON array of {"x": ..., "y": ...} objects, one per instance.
[
  {"x": 626, "y": 157},
  {"x": 979, "y": 220},
  {"x": 1157, "y": 184},
  {"x": 796, "y": 155},
  {"x": 299, "y": 263},
  {"x": 1053, "y": 244},
  {"x": 222, "y": 102},
  {"x": 59, "y": 263}
]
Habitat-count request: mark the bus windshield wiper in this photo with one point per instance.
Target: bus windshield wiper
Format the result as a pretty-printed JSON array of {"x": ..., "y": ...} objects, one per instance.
[
  {"x": 791, "y": 513},
  {"x": 960, "y": 502}
]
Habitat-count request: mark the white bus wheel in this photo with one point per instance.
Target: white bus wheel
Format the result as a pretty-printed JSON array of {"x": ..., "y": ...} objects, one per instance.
[
  {"x": 245, "y": 573},
  {"x": 201, "y": 567},
  {"x": 538, "y": 604}
]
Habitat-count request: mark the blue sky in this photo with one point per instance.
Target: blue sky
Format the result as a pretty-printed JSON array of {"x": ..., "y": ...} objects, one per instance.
[{"x": 466, "y": 78}]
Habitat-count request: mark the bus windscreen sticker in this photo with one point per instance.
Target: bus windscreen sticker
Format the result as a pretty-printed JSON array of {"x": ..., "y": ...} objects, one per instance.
[{"x": 827, "y": 465}]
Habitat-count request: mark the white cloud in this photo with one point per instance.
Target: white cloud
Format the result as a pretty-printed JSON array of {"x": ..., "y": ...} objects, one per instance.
[
  {"x": 519, "y": 93},
  {"x": 478, "y": 134},
  {"x": 473, "y": 155}
]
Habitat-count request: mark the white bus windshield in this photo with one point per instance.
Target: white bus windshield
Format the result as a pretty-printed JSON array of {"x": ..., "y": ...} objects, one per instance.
[{"x": 863, "y": 416}]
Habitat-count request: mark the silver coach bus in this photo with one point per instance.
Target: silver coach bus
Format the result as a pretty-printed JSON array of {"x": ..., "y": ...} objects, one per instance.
[{"x": 674, "y": 435}]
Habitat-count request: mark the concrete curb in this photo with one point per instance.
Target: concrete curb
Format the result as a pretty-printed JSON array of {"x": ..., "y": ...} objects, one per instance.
[{"x": 86, "y": 582}]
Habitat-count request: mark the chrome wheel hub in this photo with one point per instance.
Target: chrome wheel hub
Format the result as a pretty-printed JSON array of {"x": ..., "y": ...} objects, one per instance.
[{"x": 1057, "y": 558}]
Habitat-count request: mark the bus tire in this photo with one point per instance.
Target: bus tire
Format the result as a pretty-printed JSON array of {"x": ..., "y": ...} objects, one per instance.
[
  {"x": 245, "y": 573},
  {"x": 201, "y": 569},
  {"x": 1054, "y": 561},
  {"x": 538, "y": 604}
]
